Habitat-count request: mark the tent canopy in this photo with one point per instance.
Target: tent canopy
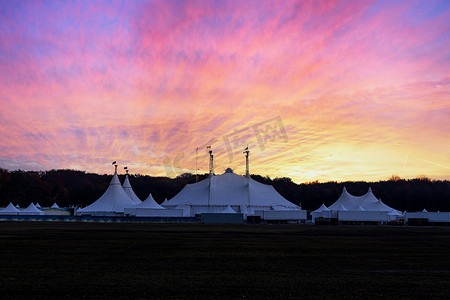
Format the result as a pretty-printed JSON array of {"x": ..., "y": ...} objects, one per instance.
[
  {"x": 32, "y": 209},
  {"x": 321, "y": 209},
  {"x": 115, "y": 199},
  {"x": 230, "y": 189},
  {"x": 366, "y": 202},
  {"x": 129, "y": 190},
  {"x": 9, "y": 209},
  {"x": 148, "y": 203}
]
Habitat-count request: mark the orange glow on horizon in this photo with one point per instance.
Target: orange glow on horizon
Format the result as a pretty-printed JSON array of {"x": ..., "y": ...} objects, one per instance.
[{"x": 350, "y": 90}]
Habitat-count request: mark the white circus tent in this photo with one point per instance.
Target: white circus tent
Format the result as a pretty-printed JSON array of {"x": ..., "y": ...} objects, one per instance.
[
  {"x": 9, "y": 210},
  {"x": 31, "y": 210},
  {"x": 362, "y": 208},
  {"x": 148, "y": 203},
  {"x": 241, "y": 193},
  {"x": 129, "y": 190},
  {"x": 112, "y": 202},
  {"x": 366, "y": 202}
]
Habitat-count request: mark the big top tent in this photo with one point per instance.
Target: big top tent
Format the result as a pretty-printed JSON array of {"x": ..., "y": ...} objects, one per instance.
[{"x": 240, "y": 193}]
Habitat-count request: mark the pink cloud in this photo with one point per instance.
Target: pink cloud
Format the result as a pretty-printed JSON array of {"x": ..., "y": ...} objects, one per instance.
[{"x": 146, "y": 82}]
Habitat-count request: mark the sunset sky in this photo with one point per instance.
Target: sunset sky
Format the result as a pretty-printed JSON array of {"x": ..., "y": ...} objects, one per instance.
[{"x": 318, "y": 90}]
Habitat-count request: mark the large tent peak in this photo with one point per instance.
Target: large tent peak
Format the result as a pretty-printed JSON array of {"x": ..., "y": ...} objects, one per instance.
[
  {"x": 115, "y": 180},
  {"x": 129, "y": 191}
]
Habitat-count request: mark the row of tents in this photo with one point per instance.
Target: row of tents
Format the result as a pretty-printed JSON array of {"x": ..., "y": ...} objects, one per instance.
[
  {"x": 32, "y": 209},
  {"x": 365, "y": 208},
  {"x": 230, "y": 193},
  {"x": 227, "y": 193}
]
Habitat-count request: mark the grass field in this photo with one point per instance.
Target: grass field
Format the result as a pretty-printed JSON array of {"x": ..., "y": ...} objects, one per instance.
[{"x": 98, "y": 260}]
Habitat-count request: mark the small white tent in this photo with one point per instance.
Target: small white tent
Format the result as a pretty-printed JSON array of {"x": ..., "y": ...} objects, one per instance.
[
  {"x": 9, "y": 210},
  {"x": 149, "y": 203},
  {"x": 113, "y": 201},
  {"x": 31, "y": 210},
  {"x": 228, "y": 210},
  {"x": 55, "y": 206},
  {"x": 321, "y": 212}
]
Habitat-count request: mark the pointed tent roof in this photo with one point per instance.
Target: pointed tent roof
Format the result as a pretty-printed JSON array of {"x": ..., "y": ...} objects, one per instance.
[
  {"x": 129, "y": 190},
  {"x": 341, "y": 207},
  {"x": 164, "y": 202},
  {"x": 32, "y": 209},
  {"x": 229, "y": 189},
  {"x": 115, "y": 199},
  {"x": 368, "y": 202},
  {"x": 149, "y": 203},
  {"x": 394, "y": 213},
  {"x": 37, "y": 205},
  {"x": 228, "y": 210},
  {"x": 10, "y": 209},
  {"x": 55, "y": 206},
  {"x": 321, "y": 209},
  {"x": 360, "y": 208},
  {"x": 424, "y": 210},
  {"x": 346, "y": 200}
]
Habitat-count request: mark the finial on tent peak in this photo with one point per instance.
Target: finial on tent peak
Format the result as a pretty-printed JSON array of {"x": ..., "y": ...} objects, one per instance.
[
  {"x": 229, "y": 170},
  {"x": 126, "y": 169}
]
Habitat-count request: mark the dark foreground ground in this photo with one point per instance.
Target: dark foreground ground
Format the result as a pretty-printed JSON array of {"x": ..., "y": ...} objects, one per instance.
[{"x": 91, "y": 260}]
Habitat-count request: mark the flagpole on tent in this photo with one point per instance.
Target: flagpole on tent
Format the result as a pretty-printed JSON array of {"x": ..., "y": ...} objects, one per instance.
[
  {"x": 196, "y": 168},
  {"x": 247, "y": 173},
  {"x": 210, "y": 173}
]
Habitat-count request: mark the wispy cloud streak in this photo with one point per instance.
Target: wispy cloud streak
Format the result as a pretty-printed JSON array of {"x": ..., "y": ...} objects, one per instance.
[{"x": 359, "y": 85}]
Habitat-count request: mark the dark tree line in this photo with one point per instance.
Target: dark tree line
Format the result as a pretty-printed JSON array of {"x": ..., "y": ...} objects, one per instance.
[{"x": 70, "y": 187}]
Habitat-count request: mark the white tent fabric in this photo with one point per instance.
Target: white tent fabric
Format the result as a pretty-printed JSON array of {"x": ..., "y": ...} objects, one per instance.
[
  {"x": 129, "y": 190},
  {"x": 55, "y": 206},
  {"x": 360, "y": 208},
  {"x": 37, "y": 205},
  {"x": 9, "y": 210},
  {"x": 395, "y": 212},
  {"x": 321, "y": 209},
  {"x": 367, "y": 202},
  {"x": 424, "y": 210},
  {"x": 31, "y": 210},
  {"x": 231, "y": 190},
  {"x": 321, "y": 212},
  {"x": 164, "y": 202},
  {"x": 114, "y": 200},
  {"x": 341, "y": 207},
  {"x": 149, "y": 203},
  {"x": 228, "y": 210}
]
